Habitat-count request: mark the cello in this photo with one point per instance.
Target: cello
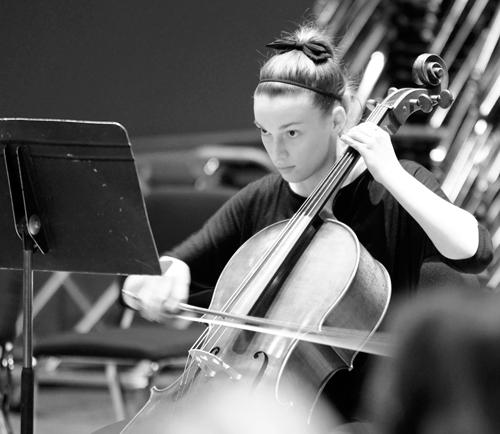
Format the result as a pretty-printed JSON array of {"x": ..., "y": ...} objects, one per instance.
[{"x": 292, "y": 275}]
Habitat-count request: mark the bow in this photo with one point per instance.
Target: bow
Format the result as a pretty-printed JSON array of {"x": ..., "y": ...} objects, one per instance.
[{"x": 316, "y": 51}]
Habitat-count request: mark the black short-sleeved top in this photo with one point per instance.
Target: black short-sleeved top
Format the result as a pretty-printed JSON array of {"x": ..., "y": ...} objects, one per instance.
[{"x": 381, "y": 224}]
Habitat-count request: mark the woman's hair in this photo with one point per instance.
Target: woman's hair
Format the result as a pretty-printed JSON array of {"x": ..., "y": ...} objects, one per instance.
[{"x": 326, "y": 74}]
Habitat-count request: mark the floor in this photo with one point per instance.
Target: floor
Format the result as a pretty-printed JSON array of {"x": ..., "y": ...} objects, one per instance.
[
  {"x": 69, "y": 410},
  {"x": 86, "y": 409},
  {"x": 77, "y": 409}
]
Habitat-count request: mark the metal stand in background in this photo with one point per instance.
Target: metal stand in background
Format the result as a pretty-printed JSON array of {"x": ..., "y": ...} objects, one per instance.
[{"x": 76, "y": 206}]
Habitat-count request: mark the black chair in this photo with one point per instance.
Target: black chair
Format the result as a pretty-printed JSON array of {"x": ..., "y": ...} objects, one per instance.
[
  {"x": 134, "y": 352},
  {"x": 435, "y": 274}
]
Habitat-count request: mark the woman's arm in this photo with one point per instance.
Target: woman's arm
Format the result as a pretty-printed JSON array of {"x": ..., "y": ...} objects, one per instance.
[
  {"x": 452, "y": 230},
  {"x": 198, "y": 259}
]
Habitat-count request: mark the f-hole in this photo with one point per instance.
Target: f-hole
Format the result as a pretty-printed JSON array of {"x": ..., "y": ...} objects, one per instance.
[{"x": 262, "y": 369}]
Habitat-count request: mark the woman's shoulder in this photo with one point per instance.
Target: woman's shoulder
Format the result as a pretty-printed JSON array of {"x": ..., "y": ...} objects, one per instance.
[
  {"x": 253, "y": 201},
  {"x": 377, "y": 192},
  {"x": 262, "y": 186},
  {"x": 424, "y": 175},
  {"x": 416, "y": 169},
  {"x": 412, "y": 167}
]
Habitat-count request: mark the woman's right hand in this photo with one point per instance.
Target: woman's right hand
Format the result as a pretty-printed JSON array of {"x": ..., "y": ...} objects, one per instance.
[{"x": 156, "y": 296}]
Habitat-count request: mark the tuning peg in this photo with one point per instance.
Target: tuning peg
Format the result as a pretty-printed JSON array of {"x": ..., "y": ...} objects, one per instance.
[
  {"x": 445, "y": 99},
  {"x": 424, "y": 102}
]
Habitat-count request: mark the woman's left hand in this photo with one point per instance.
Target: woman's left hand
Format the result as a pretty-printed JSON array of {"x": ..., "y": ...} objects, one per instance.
[{"x": 375, "y": 147}]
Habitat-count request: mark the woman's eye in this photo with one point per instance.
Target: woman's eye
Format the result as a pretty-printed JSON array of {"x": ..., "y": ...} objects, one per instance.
[
  {"x": 293, "y": 133},
  {"x": 264, "y": 132}
]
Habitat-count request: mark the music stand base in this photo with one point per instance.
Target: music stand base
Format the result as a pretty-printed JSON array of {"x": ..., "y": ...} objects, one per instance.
[{"x": 27, "y": 394}]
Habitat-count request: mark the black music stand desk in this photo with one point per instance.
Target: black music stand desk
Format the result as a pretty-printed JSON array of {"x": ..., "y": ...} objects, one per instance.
[{"x": 70, "y": 201}]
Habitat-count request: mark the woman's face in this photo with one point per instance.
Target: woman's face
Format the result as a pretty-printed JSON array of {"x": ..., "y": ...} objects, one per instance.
[{"x": 299, "y": 138}]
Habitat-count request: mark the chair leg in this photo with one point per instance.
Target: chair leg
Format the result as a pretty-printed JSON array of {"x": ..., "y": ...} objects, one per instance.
[
  {"x": 6, "y": 367},
  {"x": 152, "y": 376},
  {"x": 116, "y": 390},
  {"x": 154, "y": 370}
]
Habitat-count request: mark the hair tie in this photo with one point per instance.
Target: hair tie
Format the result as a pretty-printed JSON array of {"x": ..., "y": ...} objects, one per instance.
[{"x": 316, "y": 51}]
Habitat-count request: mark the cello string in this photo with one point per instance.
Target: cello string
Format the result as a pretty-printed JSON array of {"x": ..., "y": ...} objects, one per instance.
[
  {"x": 185, "y": 381},
  {"x": 184, "y": 385},
  {"x": 188, "y": 378},
  {"x": 284, "y": 237},
  {"x": 332, "y": 181},
  {"x": 337, "y": 171}
]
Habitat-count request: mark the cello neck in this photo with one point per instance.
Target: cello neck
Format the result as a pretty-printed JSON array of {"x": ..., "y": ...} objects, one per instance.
[{"x": 339, "y": 172}]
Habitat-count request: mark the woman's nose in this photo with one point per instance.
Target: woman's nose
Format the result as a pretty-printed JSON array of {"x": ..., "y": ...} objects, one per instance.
[{"x": 279, "y": 147}]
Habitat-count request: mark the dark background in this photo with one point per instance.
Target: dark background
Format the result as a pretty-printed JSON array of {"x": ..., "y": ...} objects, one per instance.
[
  {"x": 162, "y": 68},
  {"x": 158, "y": 67}
]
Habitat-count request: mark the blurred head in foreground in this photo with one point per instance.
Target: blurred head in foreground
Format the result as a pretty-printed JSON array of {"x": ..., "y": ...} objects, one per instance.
[
  {"x": 219, "y": 406},
  {"x": 445, "y": 376},
  {"x": 232, "y": 410}
]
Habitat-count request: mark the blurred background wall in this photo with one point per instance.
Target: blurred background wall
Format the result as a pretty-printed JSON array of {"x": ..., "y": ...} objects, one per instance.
[{"x": 156, "y": 66}]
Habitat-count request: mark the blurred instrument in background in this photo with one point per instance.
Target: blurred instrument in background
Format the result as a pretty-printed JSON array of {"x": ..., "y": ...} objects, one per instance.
[{"x": 462, "y": 142}]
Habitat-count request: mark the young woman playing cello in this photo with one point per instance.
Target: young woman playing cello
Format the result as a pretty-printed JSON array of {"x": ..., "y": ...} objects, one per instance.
[{"x": 396, "y": 208}]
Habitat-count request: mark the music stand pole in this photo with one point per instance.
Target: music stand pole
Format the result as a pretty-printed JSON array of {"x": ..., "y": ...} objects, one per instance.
[
  {"x": 27, "y": 377},
  {"x": 27, "y": 374}
]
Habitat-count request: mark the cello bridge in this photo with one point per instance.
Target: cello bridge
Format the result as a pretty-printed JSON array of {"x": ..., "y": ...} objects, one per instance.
[{"x": 211, "y": 365}]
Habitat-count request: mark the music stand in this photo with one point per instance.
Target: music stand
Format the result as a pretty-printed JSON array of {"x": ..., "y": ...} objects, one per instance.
[{"x": 76, "y": 206}]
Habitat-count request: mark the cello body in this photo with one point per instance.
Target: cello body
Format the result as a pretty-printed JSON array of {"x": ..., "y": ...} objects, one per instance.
[{"x": 334, "y": 282}]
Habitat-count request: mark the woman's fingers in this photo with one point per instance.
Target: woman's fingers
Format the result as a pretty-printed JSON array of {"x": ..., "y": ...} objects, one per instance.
[{"x": 375, "y": 147}]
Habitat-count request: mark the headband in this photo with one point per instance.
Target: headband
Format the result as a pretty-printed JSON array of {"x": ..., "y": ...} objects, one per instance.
[
  {"x": 316, "y": 51},
  {"x": 305, "y": 86}
]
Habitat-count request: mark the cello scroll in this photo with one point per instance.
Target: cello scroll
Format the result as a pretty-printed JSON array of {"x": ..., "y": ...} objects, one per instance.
[{"x": 428, "y": 70}]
